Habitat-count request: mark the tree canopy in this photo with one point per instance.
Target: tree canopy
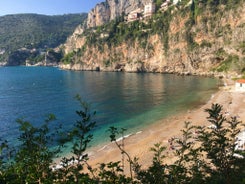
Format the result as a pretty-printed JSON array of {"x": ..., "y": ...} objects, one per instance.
[{"x": 35, "y": 31}]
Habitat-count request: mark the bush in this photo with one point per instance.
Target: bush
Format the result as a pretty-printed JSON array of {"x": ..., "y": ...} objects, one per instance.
[
  {"x": 230, "y": 63},
  {"x": 208, "y": 156},
  {"x": 68, "y": 58}
]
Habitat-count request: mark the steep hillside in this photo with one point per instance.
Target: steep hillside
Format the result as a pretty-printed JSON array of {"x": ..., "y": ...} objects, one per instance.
[
  {"x": 198, "y": 37},
  {"x": 32, "y": 31},
  {"x": 111, "y": 9}
]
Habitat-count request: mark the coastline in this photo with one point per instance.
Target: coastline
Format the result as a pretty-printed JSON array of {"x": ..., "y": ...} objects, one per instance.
[{"x": 139, "y": 144}]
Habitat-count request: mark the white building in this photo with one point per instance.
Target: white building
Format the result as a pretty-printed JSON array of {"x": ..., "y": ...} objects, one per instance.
[
  {"x": 176, "y": 1},
  {"x": 241, "y": 141},
  {"x": 2, "y": 51},
  {"x": 240, "y": 85},
  {"x": 149, "y": 9},
  {"x": 134, "y": 15},
  {"x": 165, "y": 5}
]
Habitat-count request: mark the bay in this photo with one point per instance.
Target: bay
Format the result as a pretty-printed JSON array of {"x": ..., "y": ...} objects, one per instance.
[{"x": 124, "y": 100}]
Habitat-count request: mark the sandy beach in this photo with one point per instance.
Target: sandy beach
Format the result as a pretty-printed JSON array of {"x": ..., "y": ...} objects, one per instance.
[{"x": 139, "y": 144}]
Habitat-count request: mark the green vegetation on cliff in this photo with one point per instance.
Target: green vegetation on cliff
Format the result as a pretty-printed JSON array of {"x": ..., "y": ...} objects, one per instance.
[{"x": 186, "y": 32}]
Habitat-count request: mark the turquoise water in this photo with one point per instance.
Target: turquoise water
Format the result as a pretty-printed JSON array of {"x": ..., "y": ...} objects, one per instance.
[{"x": 124, "y": 100}]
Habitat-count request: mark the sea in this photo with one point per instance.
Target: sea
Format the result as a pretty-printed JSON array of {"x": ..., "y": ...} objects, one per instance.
[{"x": 124, "y": 100}]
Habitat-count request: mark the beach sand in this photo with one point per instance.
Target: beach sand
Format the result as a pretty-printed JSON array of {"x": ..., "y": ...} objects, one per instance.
[{"x": 139, "y": 144}]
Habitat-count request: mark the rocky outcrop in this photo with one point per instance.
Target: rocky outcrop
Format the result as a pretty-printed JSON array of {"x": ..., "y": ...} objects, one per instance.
[
  {"x": 111, "y": 9},
  {"x": 214, "y": 40}
]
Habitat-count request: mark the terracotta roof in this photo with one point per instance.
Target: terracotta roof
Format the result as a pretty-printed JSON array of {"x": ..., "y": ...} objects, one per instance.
[{"x": 241, "y": 81}]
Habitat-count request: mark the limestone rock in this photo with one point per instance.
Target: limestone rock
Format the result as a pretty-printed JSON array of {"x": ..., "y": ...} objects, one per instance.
[{"x": 111, "y": 9}]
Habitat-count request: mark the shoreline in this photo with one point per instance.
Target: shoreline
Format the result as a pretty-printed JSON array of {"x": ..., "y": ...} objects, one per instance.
[
  {"x": 183, "y": 73},
  {"x": 139, "y": 144},
  {"x": 94, "y": 150}
]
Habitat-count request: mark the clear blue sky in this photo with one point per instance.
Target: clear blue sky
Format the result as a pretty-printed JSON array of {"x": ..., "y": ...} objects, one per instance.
[{"x": 46, "y": 7}]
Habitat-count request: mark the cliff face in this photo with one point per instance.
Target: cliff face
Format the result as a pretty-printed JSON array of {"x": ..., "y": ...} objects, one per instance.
[
  {"x": 196, "y": 49},
  {"x": 111, "y": 9}
]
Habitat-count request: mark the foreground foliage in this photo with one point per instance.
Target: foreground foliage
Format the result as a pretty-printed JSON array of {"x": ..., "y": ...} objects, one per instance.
[{"x": 203, "y": 155}]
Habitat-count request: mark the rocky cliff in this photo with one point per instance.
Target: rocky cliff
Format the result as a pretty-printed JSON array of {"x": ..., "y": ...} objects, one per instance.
[
  {"x": 178, "y": 40},
  {"x": 111, "y": 9}
]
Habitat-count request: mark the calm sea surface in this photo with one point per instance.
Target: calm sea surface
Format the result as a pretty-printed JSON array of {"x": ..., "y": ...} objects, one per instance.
[{"x": 124, "y": 100}]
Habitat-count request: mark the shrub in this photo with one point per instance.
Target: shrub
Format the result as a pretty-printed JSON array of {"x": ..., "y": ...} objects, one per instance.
[{"x": 209, "y": 156}]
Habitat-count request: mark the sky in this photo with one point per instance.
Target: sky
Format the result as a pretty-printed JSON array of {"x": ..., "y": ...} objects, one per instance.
[{"x": 46, "y": 7}]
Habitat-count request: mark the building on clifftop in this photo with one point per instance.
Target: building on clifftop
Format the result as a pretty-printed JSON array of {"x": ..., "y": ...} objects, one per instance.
[
  {"x": 134, "y": 15},
  {"x": 149, "y": 9},
  {"x": 164, "y": 6}
]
